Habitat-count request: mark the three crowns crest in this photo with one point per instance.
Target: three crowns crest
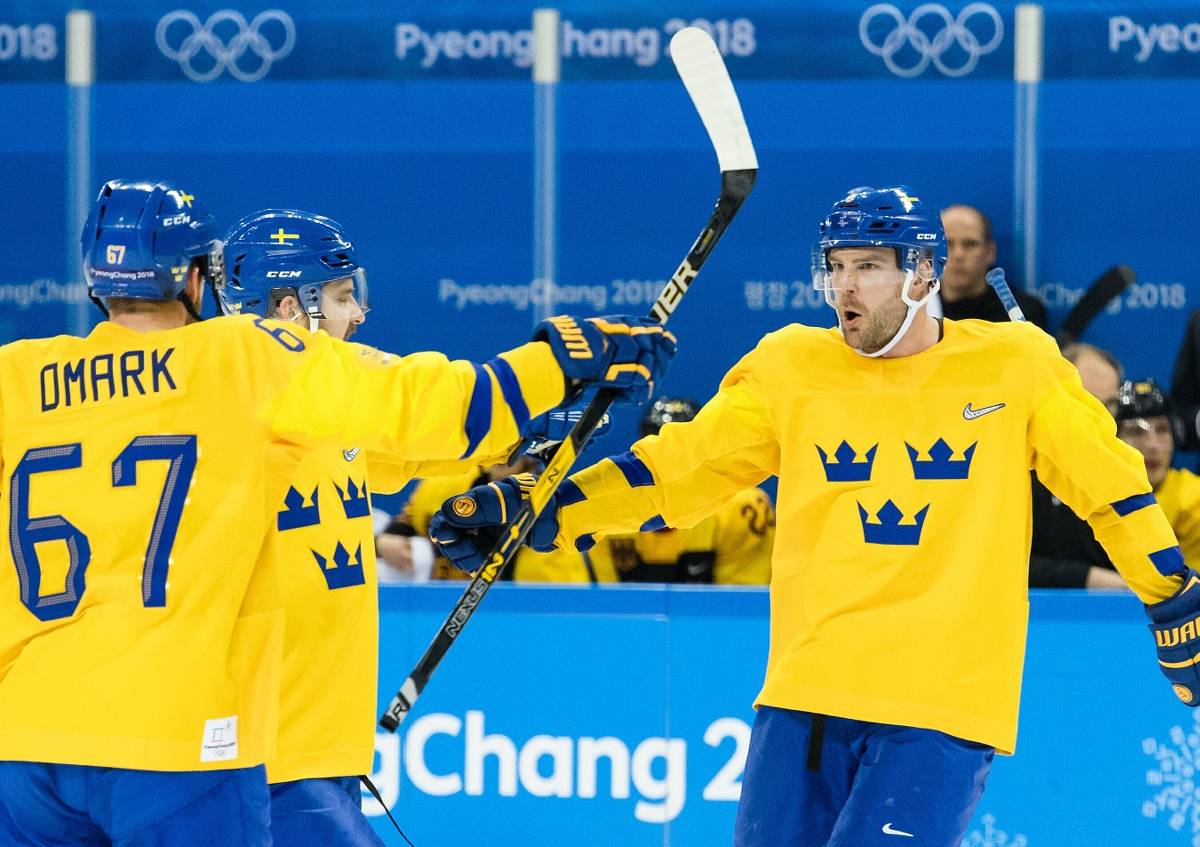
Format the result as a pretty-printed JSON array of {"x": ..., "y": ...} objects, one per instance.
[{"x": 889, "y": 525}]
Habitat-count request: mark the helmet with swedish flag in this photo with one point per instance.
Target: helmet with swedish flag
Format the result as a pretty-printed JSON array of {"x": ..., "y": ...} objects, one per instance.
[
  {"x": 141, "y": 239},
  {"x": 276, "y": 253},
  {"x": 884, "y": 217}
]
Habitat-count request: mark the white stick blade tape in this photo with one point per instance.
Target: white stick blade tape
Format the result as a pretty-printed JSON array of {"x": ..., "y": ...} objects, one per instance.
[{"x": 703, "y": 73}]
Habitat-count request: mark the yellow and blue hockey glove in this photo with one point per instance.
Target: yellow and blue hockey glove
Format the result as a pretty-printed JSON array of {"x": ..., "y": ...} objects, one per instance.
[
  {"x": 615, "y": 351},
  {"x": 548, "y": 430},
  {"x": 467, "y": 526},
  {"x": 1176, "y": 628}
]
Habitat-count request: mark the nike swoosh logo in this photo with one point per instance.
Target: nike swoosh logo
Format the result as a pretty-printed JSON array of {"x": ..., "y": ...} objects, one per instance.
[
  {"x": 887, "y": 827},
  {"x": 971, "y": 414},
  {"x": 349, "y": 455}
]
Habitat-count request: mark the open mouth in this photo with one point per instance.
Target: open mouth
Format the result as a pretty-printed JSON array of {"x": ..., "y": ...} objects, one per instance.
[{"x": 849, "y": 317}]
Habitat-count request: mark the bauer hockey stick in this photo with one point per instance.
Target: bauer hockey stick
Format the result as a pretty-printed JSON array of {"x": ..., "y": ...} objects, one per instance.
[
  {"x": 703, "y": 73},
  {"x": 995, "y": 278}
]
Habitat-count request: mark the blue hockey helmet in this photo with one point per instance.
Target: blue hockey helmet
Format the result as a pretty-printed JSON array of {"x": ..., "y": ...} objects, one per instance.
[
  {"x": 881, "y": 217},
  {"x": 140, "y": 239},
  {"x": 277, "y": 252}
]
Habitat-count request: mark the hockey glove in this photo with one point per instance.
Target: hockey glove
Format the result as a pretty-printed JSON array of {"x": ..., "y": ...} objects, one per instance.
[
  {"x": 1175, "y": 622},
  {"x": 547, "y": 431},
  {"x": 468, "y": 525},
  {"x": 615, "y": 351}
]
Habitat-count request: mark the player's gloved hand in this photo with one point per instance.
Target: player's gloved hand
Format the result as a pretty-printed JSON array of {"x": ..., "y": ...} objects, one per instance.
[
  {"x": 614, "y": 351},
  {"x": 467, "y": 526},
  {"x": 548, "y": 430},
  {"x": 1175, "y": 624}
]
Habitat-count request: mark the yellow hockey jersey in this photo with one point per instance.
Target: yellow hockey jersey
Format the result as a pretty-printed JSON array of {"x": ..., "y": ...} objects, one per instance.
[
  {"x": 899, "y": 577},
  {"x": 732, "y": 546},
  {"x": 139, "y": 627},
  {"x": 1179, "y": 496},
  {"x": 324, "y": 547}
]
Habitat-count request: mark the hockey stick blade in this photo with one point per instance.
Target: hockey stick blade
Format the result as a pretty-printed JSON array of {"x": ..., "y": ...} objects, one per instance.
[
  {"x": 703, "y": 72},
  {"x": 1100, "y": 293},
  {"x": 728, "y": 133}
]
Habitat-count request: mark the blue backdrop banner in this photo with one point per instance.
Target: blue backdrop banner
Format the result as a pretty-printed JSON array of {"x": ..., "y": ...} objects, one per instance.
[
  {"x": 412, "y": 125},
  {"x": 615, "y": 715},
  {"x": 306, "y": 39}
]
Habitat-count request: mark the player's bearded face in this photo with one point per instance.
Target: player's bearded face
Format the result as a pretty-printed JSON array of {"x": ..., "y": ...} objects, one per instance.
[{"x": 867, "y": 285}]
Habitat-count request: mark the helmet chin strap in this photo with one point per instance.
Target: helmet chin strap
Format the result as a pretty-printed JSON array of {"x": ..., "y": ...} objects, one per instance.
[{"x": 914, "y": 306}]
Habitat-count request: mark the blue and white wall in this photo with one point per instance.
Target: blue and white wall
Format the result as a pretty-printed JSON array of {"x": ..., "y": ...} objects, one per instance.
[{"x": 621, "y": 715}]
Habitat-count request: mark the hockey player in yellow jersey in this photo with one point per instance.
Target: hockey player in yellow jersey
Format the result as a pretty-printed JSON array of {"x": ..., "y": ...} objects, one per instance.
[
  {"x": 323, "y": 544},
  {"x": 903, "y": 446},
  {"x": 140, "y": 632}
]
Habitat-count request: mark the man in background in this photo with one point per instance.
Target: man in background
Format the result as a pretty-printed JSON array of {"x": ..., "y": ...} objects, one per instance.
[{"x": 972, "y": 253}]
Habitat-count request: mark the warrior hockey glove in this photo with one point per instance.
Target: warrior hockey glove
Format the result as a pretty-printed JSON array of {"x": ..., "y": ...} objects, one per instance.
[
  {"x": 548, "y": 430},
  {"x": 615, "y": 351},
  {"x": 1175, "y": 624},
  {"x": 467, "y": 526}
]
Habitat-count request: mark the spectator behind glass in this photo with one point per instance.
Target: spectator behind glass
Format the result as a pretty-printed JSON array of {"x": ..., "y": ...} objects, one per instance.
[
  {"x": 972, "y": 253},
  {"x": 1064, "y": 552}
]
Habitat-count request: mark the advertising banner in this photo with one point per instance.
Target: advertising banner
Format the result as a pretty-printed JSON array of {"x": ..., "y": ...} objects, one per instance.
[{"x": 616, "y": 715}]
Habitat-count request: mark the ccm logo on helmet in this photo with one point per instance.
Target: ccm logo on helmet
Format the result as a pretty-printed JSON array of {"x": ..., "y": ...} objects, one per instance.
[
  {"x": 926, "y": 236},
  {"x": 174, "y": 220},
  {"x": 283, "y": 274}
]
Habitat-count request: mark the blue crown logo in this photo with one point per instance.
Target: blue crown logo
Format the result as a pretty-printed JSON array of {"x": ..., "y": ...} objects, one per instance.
[
  {"x": 340, "y": 571},
  {"x": 940, "y": 465},
  {"x": 296, "y": 514},
  {"x": 355, "y": 502},
  {"x": 888, "y": 530},
  {"x": 845, "y": 469}
]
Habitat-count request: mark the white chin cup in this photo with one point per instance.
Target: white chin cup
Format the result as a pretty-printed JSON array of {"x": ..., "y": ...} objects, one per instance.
[{"x": 914, "y": 306}]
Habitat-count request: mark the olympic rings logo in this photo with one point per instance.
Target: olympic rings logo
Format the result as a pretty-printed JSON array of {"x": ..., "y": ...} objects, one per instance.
[
  {"x": 226, "y": 55},
  {"x": 931, "y": 49}
]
